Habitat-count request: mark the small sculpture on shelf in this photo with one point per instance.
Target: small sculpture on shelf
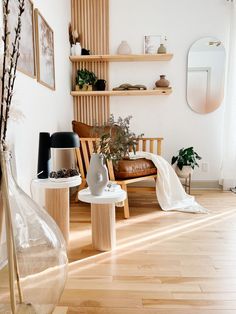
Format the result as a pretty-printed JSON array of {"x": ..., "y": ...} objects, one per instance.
[
  {"x": 128, "y": 86},
  {"x": 97, "y": 174},
  {"x": 85, "y": 52}
]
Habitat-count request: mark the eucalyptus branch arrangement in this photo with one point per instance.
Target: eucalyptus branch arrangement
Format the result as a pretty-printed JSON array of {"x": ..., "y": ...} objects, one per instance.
[
  {"x": 9, "y": 65},
  {"x": 116, "y": 139},
  {"x": 73, "y": 36}
]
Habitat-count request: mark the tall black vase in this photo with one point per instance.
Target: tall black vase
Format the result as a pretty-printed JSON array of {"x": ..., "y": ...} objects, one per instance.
[{"x": 44, "y": 156}]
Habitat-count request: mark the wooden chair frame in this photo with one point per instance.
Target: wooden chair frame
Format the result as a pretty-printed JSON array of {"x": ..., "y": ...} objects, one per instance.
[{"x": 152, "y": 145}]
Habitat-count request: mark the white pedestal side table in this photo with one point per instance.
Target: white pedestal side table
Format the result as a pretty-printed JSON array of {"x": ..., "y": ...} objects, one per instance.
[
  {"x": 57, "y": 200},
  {"x": 103, "y": 217}
]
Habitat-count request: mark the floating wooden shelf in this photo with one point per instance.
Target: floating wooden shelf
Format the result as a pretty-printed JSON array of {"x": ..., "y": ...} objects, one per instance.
[
  {"x": 148, "y": 92},
  {"x": 122, "y": 58}
]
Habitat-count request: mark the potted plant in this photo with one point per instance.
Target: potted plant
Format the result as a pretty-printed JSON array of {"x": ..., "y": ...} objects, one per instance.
[
  {"x": 85, "y": 80},
  {"x": 116, "y": 139},
  {"x": 185, "y": 161}
]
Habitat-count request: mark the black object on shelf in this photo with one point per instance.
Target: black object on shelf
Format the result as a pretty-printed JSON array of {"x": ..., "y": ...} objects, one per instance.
[
  {"x": 43, "y": 155},
  {"x": 100, "y": 84},
  {"x": 85, "y": 52}
]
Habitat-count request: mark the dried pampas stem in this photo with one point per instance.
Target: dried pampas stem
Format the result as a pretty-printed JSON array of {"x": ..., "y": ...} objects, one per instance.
[{"x": 10, "y": 60}]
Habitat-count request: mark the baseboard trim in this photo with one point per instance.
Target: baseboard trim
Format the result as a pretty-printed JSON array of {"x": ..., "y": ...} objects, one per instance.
[{"x": 208, "y": 185}]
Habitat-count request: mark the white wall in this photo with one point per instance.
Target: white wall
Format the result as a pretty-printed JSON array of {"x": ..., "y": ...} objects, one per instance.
[
  {"x": 183, "y": 22},
  {"x": 44, "y": 110}
]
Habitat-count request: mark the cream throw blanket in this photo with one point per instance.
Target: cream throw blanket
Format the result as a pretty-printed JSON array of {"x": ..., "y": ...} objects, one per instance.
[{"x": 169, "y": 190}]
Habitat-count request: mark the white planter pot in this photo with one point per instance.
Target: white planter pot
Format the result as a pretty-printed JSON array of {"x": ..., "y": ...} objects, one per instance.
[{"x": 185, "y": 172}]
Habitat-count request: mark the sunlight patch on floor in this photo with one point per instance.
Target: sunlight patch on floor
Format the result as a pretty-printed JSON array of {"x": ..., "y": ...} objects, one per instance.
[{"x": 132, "y": 244}]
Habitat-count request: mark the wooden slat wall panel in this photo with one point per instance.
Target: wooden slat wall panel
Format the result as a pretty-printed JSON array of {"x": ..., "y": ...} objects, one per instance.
[{"x": 91, "y": 19}]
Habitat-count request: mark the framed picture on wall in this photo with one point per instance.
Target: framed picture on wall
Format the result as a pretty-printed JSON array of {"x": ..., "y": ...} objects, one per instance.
[
  {"x": 44, "y": 52},
  {"x": 26, "y": 62},
  {"x": 151, "y": 43}
]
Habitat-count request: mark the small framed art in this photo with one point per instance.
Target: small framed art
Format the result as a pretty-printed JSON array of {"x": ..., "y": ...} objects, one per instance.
[
  {"x": 45, "y": 52},
  {"x": 26, "y": 62}
]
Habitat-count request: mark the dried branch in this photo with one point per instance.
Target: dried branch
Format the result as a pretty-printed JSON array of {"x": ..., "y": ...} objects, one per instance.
[
  {"x": 74, "y": 37},
  {"x": 5, "y": 41},
  {"x": 13, "y": 66},
  {"x": 8, "y": 86}
]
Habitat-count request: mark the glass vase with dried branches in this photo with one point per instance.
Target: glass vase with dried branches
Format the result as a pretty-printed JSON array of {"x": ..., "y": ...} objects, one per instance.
[{"x": 36, "y": 251}]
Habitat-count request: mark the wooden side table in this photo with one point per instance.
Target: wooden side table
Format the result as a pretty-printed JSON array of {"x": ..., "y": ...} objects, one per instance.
[
  {"x": 103, "y": 217},
  {"x": 186, "y": 182},
  {"x": 57, "y": 201}
]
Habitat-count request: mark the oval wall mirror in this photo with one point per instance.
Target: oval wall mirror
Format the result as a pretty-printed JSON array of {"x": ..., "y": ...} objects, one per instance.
[{"x": 206, "y": 75}]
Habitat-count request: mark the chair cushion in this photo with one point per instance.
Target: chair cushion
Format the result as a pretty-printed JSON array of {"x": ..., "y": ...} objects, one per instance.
[
  {"x": 82, "y": 129},
  {"x": 134, "y": 168},
  {"x": 88, "y": 131}
]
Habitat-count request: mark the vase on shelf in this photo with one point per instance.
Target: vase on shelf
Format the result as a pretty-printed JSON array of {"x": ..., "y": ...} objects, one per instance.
[
  {"x": 124, "y": 48},
  {"x": 97, "y": 175},
  {"x": 77, "y": 49},
  {"x": 161, "y": 49},
  {"x": 36, "y": 250},
  {"x": 100, "y": 85},
  {"x": 162, "y": 82},
  {"x": 72, "y": 50}
]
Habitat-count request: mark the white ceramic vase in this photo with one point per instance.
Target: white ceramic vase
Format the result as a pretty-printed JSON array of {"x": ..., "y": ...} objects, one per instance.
[
  {"x": 185, "y": 172},
  {"x": 97, "y": 175},
  {"x": 124, "y": 48},
  {"x": 72, "y": 50},
  {"x": 77, "y": 49}
]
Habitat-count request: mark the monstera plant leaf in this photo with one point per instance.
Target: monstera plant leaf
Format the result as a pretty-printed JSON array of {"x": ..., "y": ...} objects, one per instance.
[{"x": 186, "y": 157}]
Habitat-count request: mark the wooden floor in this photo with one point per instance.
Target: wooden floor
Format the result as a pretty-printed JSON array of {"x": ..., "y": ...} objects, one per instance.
[{"x": 165, "y": 263}]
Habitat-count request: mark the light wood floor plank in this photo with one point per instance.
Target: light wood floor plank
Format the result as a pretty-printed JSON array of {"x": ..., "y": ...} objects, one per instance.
[{"x": 166, "y": 263}]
